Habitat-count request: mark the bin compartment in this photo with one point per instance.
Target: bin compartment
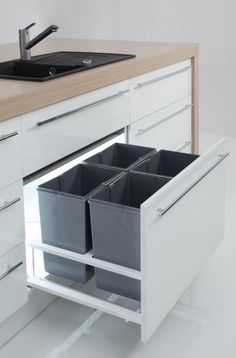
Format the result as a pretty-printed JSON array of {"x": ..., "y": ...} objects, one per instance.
[
  {"x": 115, "y": 222},
  {"x": 65, "y": 218},
  {"x": 121, "y": 155},
  {"x": 166, "y": 162},
  {"x": 69, "y": 269}
]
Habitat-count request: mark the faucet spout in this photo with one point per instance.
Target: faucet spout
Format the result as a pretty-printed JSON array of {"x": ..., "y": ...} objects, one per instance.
[
  {"x": 49, "y": 30},
  {"x": 26, "y": 44}
]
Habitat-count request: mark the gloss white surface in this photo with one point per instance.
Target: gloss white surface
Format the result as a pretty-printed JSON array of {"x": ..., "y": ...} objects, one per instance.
[{"x": 202, "y": 324}]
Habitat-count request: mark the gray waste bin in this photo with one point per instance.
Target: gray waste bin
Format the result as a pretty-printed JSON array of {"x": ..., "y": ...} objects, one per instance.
[
  {"x": 121, "y": 155},
  {"x": 65, "y": 218},
  {"x": 115, "y": 222},
  {"x": 165, "y": 162}
]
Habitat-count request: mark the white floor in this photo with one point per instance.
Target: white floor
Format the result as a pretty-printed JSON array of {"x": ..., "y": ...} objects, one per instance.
[{"x": 202, "y": 324}]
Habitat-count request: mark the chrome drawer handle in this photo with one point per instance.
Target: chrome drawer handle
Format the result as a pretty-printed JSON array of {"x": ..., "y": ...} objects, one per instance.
[
  {"x": 9, "y": 135},
  {"x": 80, "y": 109},
  {"x": 11, "y": 269},
  {"x": 162, "y": 77},
  {"x": 184, "y": 145},
  {"x": 7, "y": 204},
  {"x": 143, "y": 130},
  {"x": 221, "y": 157}
]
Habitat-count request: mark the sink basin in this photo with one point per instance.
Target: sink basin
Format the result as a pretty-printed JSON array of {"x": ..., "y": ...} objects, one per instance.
[{"x": 56, "y": 64}]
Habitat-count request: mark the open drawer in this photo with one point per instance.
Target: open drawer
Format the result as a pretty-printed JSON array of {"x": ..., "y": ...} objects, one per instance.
[{"x": 180, "y": 226}]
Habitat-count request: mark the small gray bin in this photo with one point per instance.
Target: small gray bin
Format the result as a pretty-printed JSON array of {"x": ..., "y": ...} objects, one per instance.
[
  {"x": 118, "y": 241},
  {"x": 65, "y": 218},
  {"x": 121, "y": 155},
  {"x": 166, "y": 163}
]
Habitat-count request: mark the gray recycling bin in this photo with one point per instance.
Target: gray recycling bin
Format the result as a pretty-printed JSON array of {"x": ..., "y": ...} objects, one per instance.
[
  {"x": 115, "y": 222},
  {"x": 121, "y": 155},
  {"x": 65, "y": 218},
  {"x": 165, "y": 162}
]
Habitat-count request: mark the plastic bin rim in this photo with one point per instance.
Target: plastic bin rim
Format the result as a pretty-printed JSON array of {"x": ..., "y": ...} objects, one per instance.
[
  {"x": 114, "y": 205},
  {"x": 74, "y": 196}
]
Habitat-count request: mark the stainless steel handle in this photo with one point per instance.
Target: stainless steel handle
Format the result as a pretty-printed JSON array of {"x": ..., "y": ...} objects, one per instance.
[
  {"x": 11, "y": 269},
  {"x": 221, "y": 157},
  {"x": 83, "y": 108},
  {"x": 185, "y": 144},
  {"x": 143, "y": 130},
  {"x": 7, "y": 136},
  {"x": 7, "y": 204},
  {"x": 161, "y": 77}
]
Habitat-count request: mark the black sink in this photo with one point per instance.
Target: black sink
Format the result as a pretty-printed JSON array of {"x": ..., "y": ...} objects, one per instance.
[{"x": 56, "y": 64}]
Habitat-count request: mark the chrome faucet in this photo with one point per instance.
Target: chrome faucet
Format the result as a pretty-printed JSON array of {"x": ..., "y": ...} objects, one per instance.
[{"x": 26, "y": 44}]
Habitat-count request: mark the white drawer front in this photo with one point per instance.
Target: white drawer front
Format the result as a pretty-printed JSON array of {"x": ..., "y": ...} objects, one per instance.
[
  {"x": 13, "y": 287},
  {"x": 164, "y": 129},
  {"x": 158, "y": 89},
  {"x": 52, "y": 133},
  {"x": 10, "y": 158},
  {"x": 11, "y": 217},
  {"x": 181, "y": 225}
]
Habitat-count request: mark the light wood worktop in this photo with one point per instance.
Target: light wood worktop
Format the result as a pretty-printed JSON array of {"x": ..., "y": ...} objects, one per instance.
[{"x": 18, "y": 97}]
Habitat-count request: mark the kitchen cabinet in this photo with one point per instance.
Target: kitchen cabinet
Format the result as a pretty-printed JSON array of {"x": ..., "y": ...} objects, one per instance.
[
  {"x": 10, "y": 154},
  {"x": 56, "y": 131},
  {"x": 12, "y": 281},
  {"x": 11, "y": 217},
  {"x": 156, "y": 106},
  {"x": 157, "y": 89},
  {"x": 168, "y": 128}
]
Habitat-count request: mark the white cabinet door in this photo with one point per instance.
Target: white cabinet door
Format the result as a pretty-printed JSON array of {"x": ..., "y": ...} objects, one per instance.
[
  {"x": 157, "y": 89},
  {"x": 61, "y": 129},
  {"x": 168, "y": 128},
  {"x": 181, "y": 225},
  {"x": 10, "y": 155},
  {"x": 11, "y": 217},
  {"x": 13, "y": 286}
]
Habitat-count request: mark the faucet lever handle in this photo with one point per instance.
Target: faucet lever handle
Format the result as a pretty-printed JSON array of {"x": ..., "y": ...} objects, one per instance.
[{"x": 29, "y": 26}]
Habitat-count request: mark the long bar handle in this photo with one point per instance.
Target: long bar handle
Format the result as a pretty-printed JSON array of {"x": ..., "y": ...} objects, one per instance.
[
  {"x": 184, "y": 145},
  {"x": 161, "y": 77},
  {"x": 11, "y": 269},
  {"x": 7, "y": 204},
  {"x": 221, "y": 157},
  {"x": 143, "y": 130},
  {"x": 83, "y": 108},
  {"x": 9, "y": 135}
]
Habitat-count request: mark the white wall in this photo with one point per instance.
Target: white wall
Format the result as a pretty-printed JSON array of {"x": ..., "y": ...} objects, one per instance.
[
  {"x": 210, "y": 23},
  {"x": 16, "y": 14}
]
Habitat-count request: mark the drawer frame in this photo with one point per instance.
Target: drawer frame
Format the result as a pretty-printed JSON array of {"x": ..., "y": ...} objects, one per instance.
[{"x": 167, "y": 205}]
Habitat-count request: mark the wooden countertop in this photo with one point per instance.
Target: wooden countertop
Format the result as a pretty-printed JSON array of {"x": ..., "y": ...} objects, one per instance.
[{"x": 18, "y": 97}]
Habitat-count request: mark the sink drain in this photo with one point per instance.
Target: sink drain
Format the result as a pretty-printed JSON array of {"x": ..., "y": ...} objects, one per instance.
[
  {"x": 86, "y": 61},
  {"x": 52, "y": 71}
]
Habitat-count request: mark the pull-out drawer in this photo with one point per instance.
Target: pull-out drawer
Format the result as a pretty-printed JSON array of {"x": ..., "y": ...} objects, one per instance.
[
  {"x": 157, "y": 89},
  {"x": 180, "y": 224},
  {"x": 164, "y": 129},
  {"x": 13, "y": 286},
  {"x": 59, "y": 130},
  {"x": 10, "y": 157},
  {"x": 11, "y": 217}
]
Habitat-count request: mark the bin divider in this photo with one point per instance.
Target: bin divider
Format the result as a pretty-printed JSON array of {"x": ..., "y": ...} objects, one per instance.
[
  {"x": 113, "y": 180},
  {"x": 86, "y": 259}
]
